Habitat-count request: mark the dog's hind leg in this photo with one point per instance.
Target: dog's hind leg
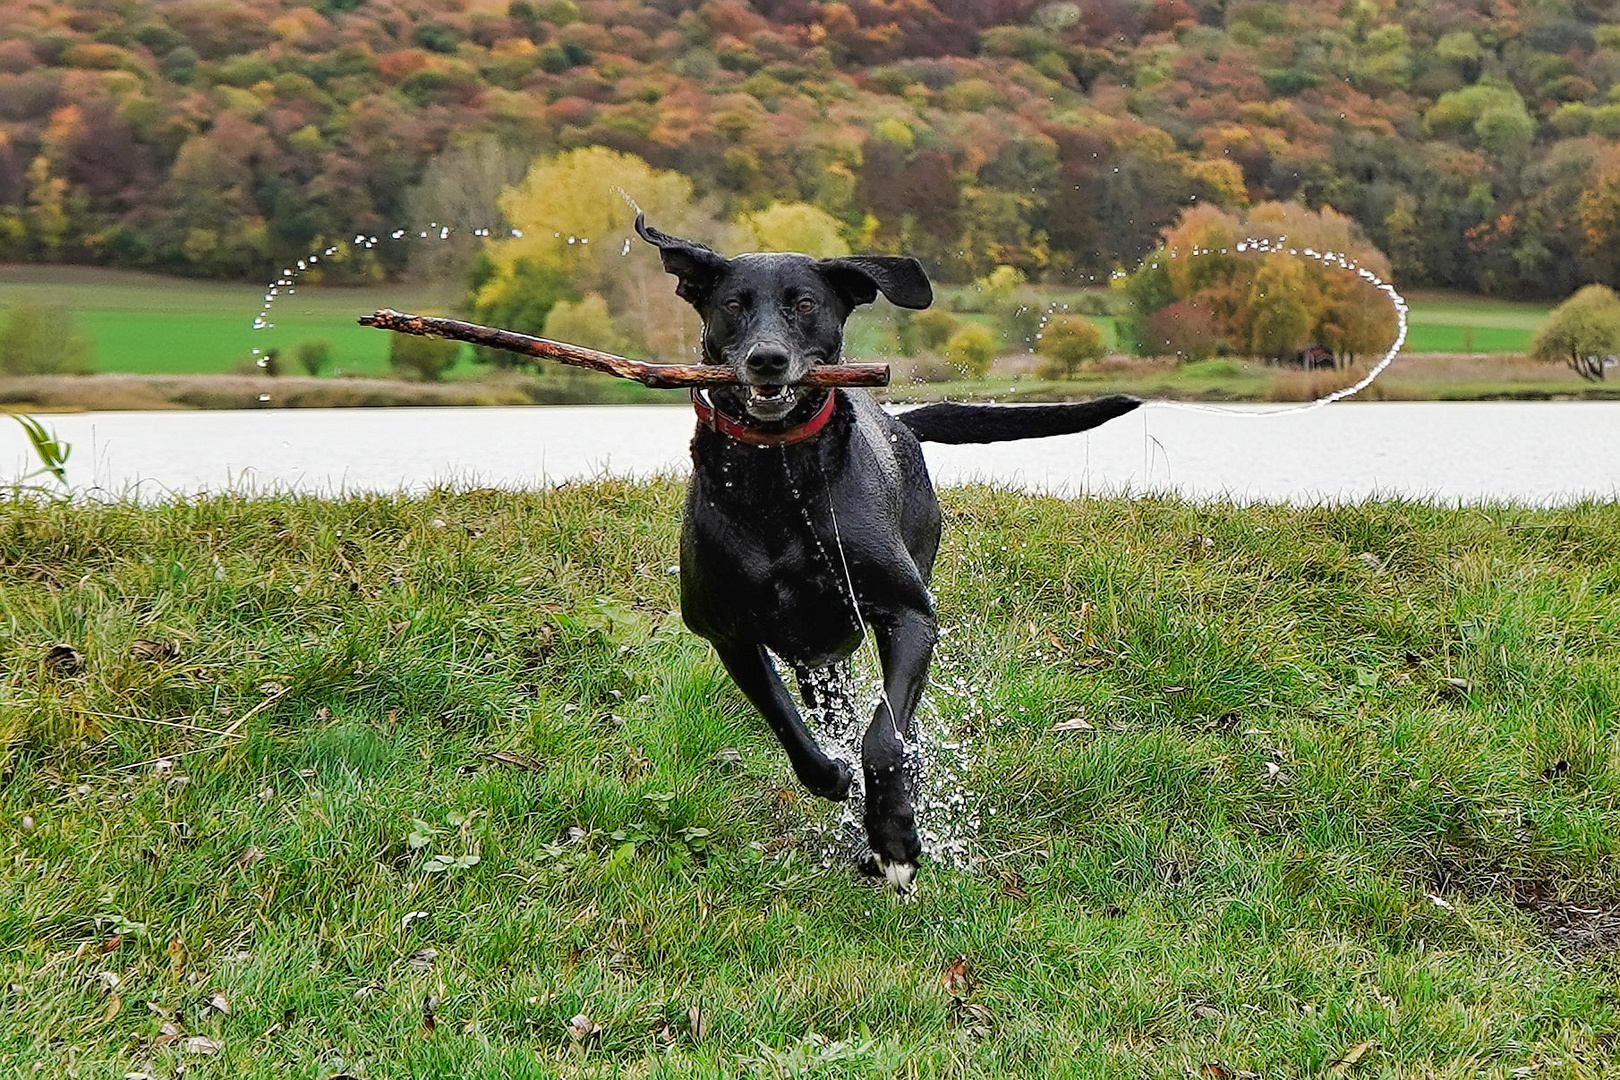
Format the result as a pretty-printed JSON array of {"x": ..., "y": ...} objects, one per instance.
[
  {"x": 905, "y": 646},
  {"x": 751, "y": 669}
]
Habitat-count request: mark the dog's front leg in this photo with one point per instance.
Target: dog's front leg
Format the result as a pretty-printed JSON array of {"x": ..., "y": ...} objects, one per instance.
[
  {"x": 751, "y": 669},
  {"x": 905, "y": 646}
]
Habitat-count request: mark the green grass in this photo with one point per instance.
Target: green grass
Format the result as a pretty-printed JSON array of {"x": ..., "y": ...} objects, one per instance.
[
  {"x": 1445, "y": 322},
  {"x": 145, "y": 324},
  {"x": 1286, "y": 835}
]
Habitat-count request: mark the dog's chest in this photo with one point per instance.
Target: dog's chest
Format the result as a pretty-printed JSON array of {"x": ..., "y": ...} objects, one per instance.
[{"x": 760, "y": 554}]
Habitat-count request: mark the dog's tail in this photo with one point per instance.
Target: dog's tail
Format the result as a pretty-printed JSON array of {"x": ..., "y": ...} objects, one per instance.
[{"x": 950, "y": 422}]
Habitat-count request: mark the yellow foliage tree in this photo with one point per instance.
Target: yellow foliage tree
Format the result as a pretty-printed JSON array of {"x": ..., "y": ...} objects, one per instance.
[
  {"x": 575, "y": 215},
  {"x": 796, "y": 227},
  {"x": 1272, "y": 304}
]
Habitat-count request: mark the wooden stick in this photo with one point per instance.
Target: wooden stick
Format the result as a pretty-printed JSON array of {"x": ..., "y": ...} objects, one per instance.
[{"x": 660, "y": 376}]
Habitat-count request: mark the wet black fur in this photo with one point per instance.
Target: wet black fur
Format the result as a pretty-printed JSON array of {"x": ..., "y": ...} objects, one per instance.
[{"x": 775, "y": 537}]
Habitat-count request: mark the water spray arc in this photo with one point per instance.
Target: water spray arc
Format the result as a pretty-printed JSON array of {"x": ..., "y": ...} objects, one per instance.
[{"x": 1327, "y": 258}]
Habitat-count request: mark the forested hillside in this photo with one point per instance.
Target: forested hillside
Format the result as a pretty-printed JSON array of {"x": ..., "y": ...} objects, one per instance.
[{"x": 1475, "y": 141}]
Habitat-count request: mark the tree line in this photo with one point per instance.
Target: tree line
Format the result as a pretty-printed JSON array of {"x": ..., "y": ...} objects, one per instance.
[{"x": 1473, "y": 142}]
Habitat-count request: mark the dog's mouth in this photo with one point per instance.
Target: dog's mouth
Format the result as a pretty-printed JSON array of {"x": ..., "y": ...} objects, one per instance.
[{"x": 771, "y": 402}]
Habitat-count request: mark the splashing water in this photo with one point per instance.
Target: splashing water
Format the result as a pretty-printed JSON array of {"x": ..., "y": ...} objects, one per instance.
[
  {"x": 286, "y": 283},
  {"x": 947, "y": 777}
]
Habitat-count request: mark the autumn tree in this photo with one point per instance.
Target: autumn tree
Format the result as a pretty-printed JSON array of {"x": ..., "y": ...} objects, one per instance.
[
  {"x": 1269, "y": 282},
  {"x": 574, "y": 215},
  {"x": 1582, "y": 332}
]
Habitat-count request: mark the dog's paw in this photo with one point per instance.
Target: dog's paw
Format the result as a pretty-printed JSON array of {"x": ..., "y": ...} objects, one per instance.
[
  {"x": 901, "y": 876},
  {"x": 837, "y": 789}
]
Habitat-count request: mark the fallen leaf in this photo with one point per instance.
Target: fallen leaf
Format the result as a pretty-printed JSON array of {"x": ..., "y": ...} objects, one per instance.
[
  {"x": 1440, "y": 902},
  {"x": 423, "y": 958},
  {"x": 168, "y": 1033},
  {"x": 1175, "y": 689},
  {"x": 115, "y": 1005},
  {"x": 582, "y": 1027},
  {"x": 955, "y": 978},
  {"x": 110, "y": 944},
  {"x": 250, "y": 855},
  {"x": 728, "y": 755},
  {"x": 515, "y": 760},
  {"x": 430, "y": 1014},
  {"x": 696, "y": 1022},
  {"x": 1272, "y": 770},
  {"x": 1077, "y": 724},
  {"x": 1353, "y": 1055},
  {"x": 1013, "y": 885},
  {"x": 366, "y": 992},
  {"x": 64, "y": 659},
  {"x": 218, "y": 1002},
  {"x": 200, "y": 1044},
  {"x": 410, "y": 917},
  {"x": 1458, "y": 686},
  {"x": 153, "y": 651},
  {"x": 973, "y": 1018}
]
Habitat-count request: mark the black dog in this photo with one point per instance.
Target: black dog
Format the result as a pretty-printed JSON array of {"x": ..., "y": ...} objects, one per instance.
[{"x": 810, "y": 516}]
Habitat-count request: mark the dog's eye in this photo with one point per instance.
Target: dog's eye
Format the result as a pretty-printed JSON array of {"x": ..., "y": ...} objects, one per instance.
[
  {"x": 733, "y": 305},
  {"x": 805, "y": 306}
]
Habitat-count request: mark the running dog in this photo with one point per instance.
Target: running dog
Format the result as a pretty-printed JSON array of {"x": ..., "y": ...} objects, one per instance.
[{"x": 810, "y": 516}]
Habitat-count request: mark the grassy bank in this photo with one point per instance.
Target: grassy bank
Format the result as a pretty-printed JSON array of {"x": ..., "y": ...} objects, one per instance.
[{"x": 407, "y": 785}]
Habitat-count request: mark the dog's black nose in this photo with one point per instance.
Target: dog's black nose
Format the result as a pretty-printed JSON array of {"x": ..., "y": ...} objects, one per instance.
[{"x": 768, "y": 362}]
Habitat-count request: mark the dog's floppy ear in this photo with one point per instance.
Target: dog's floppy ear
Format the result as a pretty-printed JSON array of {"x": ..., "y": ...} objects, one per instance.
[
  {"x": 861, "y": 277},
  {"x": 696, "y": 267}
]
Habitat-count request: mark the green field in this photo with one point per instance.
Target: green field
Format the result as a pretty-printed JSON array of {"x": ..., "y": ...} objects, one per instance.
[
  {"x": 439, "y": 786},
  {"x": 151, "y": 325},
  {"x": 1450, "y": 323}
]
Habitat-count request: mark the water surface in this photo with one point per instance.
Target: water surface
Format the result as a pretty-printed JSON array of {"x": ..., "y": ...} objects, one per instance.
[{"x": 1534, "y": 452}]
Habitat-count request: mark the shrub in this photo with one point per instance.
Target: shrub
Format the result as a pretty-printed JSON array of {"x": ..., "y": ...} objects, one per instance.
[
  {"x": 36, "y": 339},
  {"x": 1185, "y": 329},
  {"x": 971, "y": 349},
  {"x": 424, "y": 358},
  {"x": 932, "y": 328},
  {"x": 1582, "y": 332},
  {"x": 586, "y": 323},
  {"x": 1068, "y": 343},
  {"x": 313, "y": 356}
]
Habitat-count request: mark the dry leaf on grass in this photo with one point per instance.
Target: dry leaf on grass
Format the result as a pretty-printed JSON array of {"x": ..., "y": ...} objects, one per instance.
[
  {"x": 515, "y": 760},
  {"x": 955, "y": 978},
  {"x": 430, "y": 1014},
  {"x": 154, "y": 652},
  {"x": 200, "y": 1044},
  {"x": 582, "y": 1028},
  {"x": 218, "y": 1002},
  {"x": 1077, "y": 724},
  {"x": 974, "y": 1019},
  {"x": 1353, "y": 1055},
  {"x": 64, "y": 659},
  {"x": 697, "y": 1022}
]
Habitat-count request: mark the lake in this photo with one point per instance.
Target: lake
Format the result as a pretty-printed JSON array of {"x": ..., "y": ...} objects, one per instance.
[{"x": 1531, "y": 452}]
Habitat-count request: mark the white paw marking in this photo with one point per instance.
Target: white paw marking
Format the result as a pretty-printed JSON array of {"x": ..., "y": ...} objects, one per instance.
[{"x": 900, "y": 875}]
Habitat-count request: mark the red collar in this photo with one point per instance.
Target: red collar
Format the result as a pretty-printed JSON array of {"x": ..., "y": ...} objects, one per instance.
[{"x": 709, "y": 416}]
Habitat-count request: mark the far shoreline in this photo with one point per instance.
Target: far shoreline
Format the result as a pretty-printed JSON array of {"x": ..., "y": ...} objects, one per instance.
[{"x": 1414, "y": 377}]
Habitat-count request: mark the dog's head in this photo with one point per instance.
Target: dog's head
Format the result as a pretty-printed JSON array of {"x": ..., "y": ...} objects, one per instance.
[{"x": 770, "y": 317}]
